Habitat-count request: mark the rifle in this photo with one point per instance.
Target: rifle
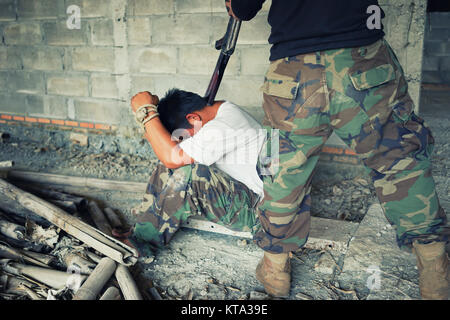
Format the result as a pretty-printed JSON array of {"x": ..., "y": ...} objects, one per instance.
[{"x": 226, "y": 46}]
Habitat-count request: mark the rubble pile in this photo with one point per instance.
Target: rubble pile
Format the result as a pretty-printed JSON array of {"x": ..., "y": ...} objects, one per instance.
[
  {"x": 347, "y": 200},
  {"x": 59, "y": 246}
]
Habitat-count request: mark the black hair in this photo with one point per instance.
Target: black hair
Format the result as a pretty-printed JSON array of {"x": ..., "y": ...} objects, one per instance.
[{"x": 176, "y": 105}]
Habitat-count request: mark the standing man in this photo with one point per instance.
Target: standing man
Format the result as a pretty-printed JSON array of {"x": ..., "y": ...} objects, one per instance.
[{"x": 330, "y": 72}]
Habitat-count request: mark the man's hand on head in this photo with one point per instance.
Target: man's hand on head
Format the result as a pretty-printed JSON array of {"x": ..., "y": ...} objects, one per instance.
[
  {"x": 143, "y": 98},
  {"x": 230, "y": 9},
  {"x": 160, "y": 139}
]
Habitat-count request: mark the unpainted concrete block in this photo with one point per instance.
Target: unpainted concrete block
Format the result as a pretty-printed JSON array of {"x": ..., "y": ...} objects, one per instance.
[
  {"x": 154, "y": 60},
  {"x": 256, "y": 31},
  {"x": 255, "y": 60},
  {"x": 188, "y": 83},
  {"x": 34, "y": 104},
  {"x": 93, "y": 8},
  {"x": 162, "y": 83},
  {"x": 149, "y": 7},
  {"x": 218, "y": 6},
  {"x": 143, "y": 83},
  {"x": 4, "y": 81},
  {"x": 15, "y": 104},
  {"x": 182, "y": 29},
  {"x": 26, "y": 82},
  {"x": 55, "y": 107},
  {"x": 98, "y": 111},
  {"x": 202, "y": 61},
  {"x": 102, "y": 33},
  {"x": 7, "y": 10},
  {"x": 23, "y": 33},
  {"x": 243, "y": 91},
  {"x": 195, "y": 6},
  {"x": 104, "y": 86},
  {"x": 93, "y": 59},
  {"x": 42, "y": 9},
  {"x": 139, "y": 31},
  {"x": 44, "y": 58},
  {"x": 10, "y": 58},
  {"x": 58, "y": 34},
  {"x": 68, "y": 85}
]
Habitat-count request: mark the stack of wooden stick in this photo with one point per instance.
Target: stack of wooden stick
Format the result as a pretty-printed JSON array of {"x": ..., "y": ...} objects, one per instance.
[{"x": 59, "y": 246}]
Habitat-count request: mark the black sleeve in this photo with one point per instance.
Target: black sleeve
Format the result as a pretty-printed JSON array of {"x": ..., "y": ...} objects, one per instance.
[{"x": 246, "y": 9}]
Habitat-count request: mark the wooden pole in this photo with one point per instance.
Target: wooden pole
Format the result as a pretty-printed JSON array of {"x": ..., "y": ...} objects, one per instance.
[
  {"x": 12, "y": 230},
  {"x": 47, "y": 178},
  {"x": 127, "y": 285},
  {"x": 101, "y": 242},
  {"x": 113, "y": 218},
  {"x": 19, "y": 286},
  {"x": 99, "y": 218},
  {"x": 69, "y": 206},
  {"x": 95, "y": 282},
  {"x": 93, "y": 256},
  {"x": 112, "y": 293},
  {"x": 52, "y": 278},
  {"x": 10, "y": 207},
  {"x": 45, "y": 259},
  {"x": 71, "y": 259},
  {"x": 27, "y": 256},
  {"x": 52, "y": 194}
]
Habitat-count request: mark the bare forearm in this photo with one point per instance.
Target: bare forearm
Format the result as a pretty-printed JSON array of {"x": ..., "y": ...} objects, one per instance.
[{"x": 165, "y": 148}]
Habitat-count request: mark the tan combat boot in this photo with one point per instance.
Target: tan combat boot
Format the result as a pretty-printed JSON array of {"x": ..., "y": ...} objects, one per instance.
[
  {"x": 274, "y": 272},
  {"x": 432, "y": 262}
]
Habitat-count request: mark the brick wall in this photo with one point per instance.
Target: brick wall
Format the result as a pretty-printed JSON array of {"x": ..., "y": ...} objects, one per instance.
[
  {"x": 436, "y": 66},
  {"x": 89, "y": 75}
]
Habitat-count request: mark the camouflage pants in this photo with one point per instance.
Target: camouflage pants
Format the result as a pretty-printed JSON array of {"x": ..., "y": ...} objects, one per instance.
[
  {"x": 361, "y": 94},
  {"x": 173, "y": 196}
]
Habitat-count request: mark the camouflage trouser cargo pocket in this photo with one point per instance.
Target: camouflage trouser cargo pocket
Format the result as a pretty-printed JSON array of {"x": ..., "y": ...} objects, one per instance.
[
  {"x": 361, "y": 94},
  {"x": 394, "y": 143},
  {"x": 175, "y": 195},
  {"x": 401, "y": 171},
  {"x": 418, "y": 133},
  {"x": 294, "y": 93}
]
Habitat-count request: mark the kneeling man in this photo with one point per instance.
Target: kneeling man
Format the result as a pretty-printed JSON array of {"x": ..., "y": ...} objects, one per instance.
[{"x": 208, "y": 165}]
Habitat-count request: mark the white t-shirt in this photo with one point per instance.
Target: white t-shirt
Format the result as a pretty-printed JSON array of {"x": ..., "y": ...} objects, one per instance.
[{"x": 232, "y": 141}]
